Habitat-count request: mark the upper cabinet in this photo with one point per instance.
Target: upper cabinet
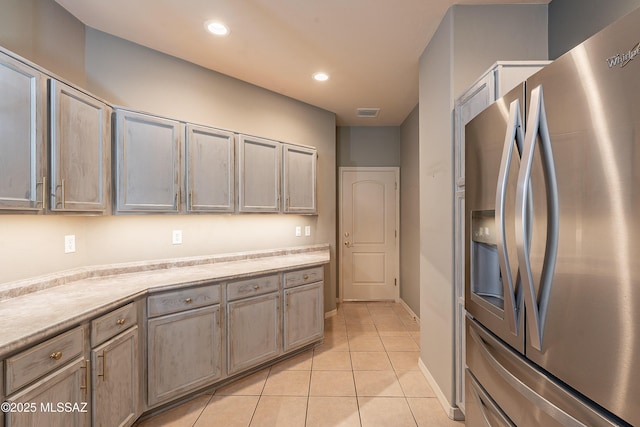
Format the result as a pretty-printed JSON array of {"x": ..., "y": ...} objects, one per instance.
[
  {"x": 299, "y": 179},
  {"x": 22, "y": 137},
  {"x": 148, "y": 163},
  {"x": 210, "y": 170},
  {"x": 80, "y": 150},
  {"x": 258, "y": 174}
]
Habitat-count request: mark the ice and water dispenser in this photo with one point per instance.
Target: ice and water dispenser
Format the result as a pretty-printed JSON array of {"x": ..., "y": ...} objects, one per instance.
[{"x": 486, "y": 279}]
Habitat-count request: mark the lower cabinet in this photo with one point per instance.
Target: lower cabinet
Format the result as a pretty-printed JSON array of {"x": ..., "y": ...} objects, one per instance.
[
  {"x": 253, "y": 331},
  {"x": 115, "y": 380},
  {"x": 184, "y": 351},
  {"x": 303, "y": 315},
  {"x": 60, "y": 399}
]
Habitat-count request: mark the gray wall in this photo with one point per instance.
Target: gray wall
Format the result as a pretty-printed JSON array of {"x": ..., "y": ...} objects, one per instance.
[
  {"x": 131, "y": 75},
  {"x": 360, "y": 146},
  {"x": 468, "y": 41},
  {"x": 410, "y": 212},
  {"x": 573, "y": 21}
]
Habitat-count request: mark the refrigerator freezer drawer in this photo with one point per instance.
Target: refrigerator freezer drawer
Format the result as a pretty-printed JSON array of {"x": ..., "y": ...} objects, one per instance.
[
  {"x": 528, "y": 397},
  {"x": 481, "y": 410}
]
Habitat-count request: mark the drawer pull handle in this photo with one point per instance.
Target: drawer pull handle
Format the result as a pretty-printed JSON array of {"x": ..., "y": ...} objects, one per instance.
[
  {"x": 305, "y": 277},
  {"x": 56, "y": 356},
  {"x": 121, "y": 322},
  {"x": 256, "y": 287},
  {"x": 188, "y": 300},
  {"x": 104, "y": 366}
]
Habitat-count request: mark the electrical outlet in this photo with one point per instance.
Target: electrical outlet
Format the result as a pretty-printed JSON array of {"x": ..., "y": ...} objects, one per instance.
[
  {"x": 307, "y": 230},
  {"x": 176, "y": 237},
  {"x": 298, "y": 231},
  {"x": 69, "y": 243}
]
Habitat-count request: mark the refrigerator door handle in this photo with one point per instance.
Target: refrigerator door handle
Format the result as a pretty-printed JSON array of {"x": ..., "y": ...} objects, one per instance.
[
  {"x": 523, "y": 389},
  {"x": 513, "y": 134},
  {"x": 536, "y": 303}
]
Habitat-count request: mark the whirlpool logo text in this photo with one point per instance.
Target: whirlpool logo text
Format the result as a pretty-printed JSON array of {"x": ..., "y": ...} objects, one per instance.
[{"x": 622, "y": 59}]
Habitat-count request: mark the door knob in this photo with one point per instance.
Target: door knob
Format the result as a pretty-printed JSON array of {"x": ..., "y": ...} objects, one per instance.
[{"x": 347, "y": 244}]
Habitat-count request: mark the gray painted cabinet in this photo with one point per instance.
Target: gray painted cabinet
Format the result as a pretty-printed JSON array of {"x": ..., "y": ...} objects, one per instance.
[
  {"x": 258, "y": 174},
  {"x": 80, "y": 150},
  {"x": 148, "y": 163},
  {"x": 253, "y": 326},
  {"x": 184, "y": 351},
  {"x": 299, "y": 179},
  {"x": 303, "y": 315},
  {"x": 22, "y": 136},
  {"x": 115, "y": 378},
  {"x": 210, "y": 170},
  {"x": 67, "y": 384}
]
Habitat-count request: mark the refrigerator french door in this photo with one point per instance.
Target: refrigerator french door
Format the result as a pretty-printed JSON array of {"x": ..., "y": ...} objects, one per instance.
[{"x": 553, "y": 236}]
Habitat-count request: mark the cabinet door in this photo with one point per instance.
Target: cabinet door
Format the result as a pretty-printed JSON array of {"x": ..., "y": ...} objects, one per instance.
[
  {"x": 299, "y": 179},
  {"x": 80, "y": 150},
  {"x": 303, "y": 315},
  {"x": 253, "y": 335},
  {"x": 147, "y": 163},
  {"x": 210, "y": 170},
  {"x": 258, "y": 174},
  {"x": 22, "y": 136},
  {"x": 115, "y": 380},
  {"x": 60, "y": 399},
  {"x": 184, "y": 351}
]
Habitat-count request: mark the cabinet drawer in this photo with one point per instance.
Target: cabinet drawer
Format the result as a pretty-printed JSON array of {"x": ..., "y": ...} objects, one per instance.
[
  {"x": 252, "y": 287},
  {"x": 302, "y": 277},
  {"x": 184, "y": 299},
  {"x": 113, "y": 323},
  {"x": 37, "y": 361}
]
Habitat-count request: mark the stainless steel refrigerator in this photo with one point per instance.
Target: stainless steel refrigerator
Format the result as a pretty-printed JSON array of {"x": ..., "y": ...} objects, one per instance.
[{"x": 553, "y": 243}]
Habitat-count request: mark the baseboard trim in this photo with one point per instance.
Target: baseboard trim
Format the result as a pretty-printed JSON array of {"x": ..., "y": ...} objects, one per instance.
[
  {"x": 331, "y": 313},
  {"x": 453, "y": 412},
  {"x": 406, "y": 307}
]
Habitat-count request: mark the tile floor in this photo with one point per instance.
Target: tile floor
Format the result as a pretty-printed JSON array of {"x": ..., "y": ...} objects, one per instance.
[{"x": 364, "y": 374}]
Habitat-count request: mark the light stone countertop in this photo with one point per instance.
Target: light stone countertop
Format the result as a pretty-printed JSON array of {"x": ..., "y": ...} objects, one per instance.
[{"x": 52, "y": 305}]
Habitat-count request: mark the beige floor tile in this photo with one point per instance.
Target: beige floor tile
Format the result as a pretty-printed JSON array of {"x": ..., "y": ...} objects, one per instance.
[
  {"x": 287, "y": 383},
  {"x": 404, "y": 360},
  {"x": 299, "y": 362},
  {"x": 379, "y": 311},
  {"x": 227, "y": 411},
  {"x": 184, "y": 415},
  {"x": 370, "y": 361},
  {"x": 414, "y": 384},
  {"x": 333, "y": 412},
  {"x": 331, "y": 361},
  {"x": 416, "y": 336},
  {"x": 377, "y": 383},
  {"x": 280, "y": 411},
  {"x": 361, "y": 329},
  {"x": 335, "y": 326},
  {"x": 365, "y": 343},
  {"x": 385, "y": 412},
  {"x": 247, "y": 386},
  {"x": 402, "y": 343},
  {"x": 334, "y": 342},
  {"x": 428, "y": 413},
  {"x": 332, "y": 383}
]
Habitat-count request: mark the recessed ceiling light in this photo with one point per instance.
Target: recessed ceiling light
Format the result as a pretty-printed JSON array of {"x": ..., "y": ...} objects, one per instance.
[
  {"x": 217, "y": 28},
  {"x": 321, "y": 77}
]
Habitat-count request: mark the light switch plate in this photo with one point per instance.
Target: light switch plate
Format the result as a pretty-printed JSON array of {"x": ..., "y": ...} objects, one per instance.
[
  {"x": 307, "y": 230},
  {"x": 298, "y": 231},
  {"x": 176, "y": 237}
]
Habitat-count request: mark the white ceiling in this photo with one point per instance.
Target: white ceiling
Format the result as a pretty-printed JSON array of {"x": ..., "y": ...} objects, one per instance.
[{"x": 371, "y": 48}]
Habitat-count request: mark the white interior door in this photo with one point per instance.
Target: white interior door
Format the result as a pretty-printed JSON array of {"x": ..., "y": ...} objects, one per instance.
[{"x": 369, "y": 212}]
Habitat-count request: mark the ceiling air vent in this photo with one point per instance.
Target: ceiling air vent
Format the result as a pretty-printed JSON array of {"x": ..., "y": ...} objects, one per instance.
[{"x": 368, "y": 112}]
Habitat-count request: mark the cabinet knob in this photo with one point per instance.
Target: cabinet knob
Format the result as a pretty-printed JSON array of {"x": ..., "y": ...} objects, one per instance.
[
  {"x": 305, "y": 277},
  {"x": 121, "y": 322},
  {"x": 256, "y": 287},
  {"x": 188, "y": 300},
  {"x": 56, "y": 356}
]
